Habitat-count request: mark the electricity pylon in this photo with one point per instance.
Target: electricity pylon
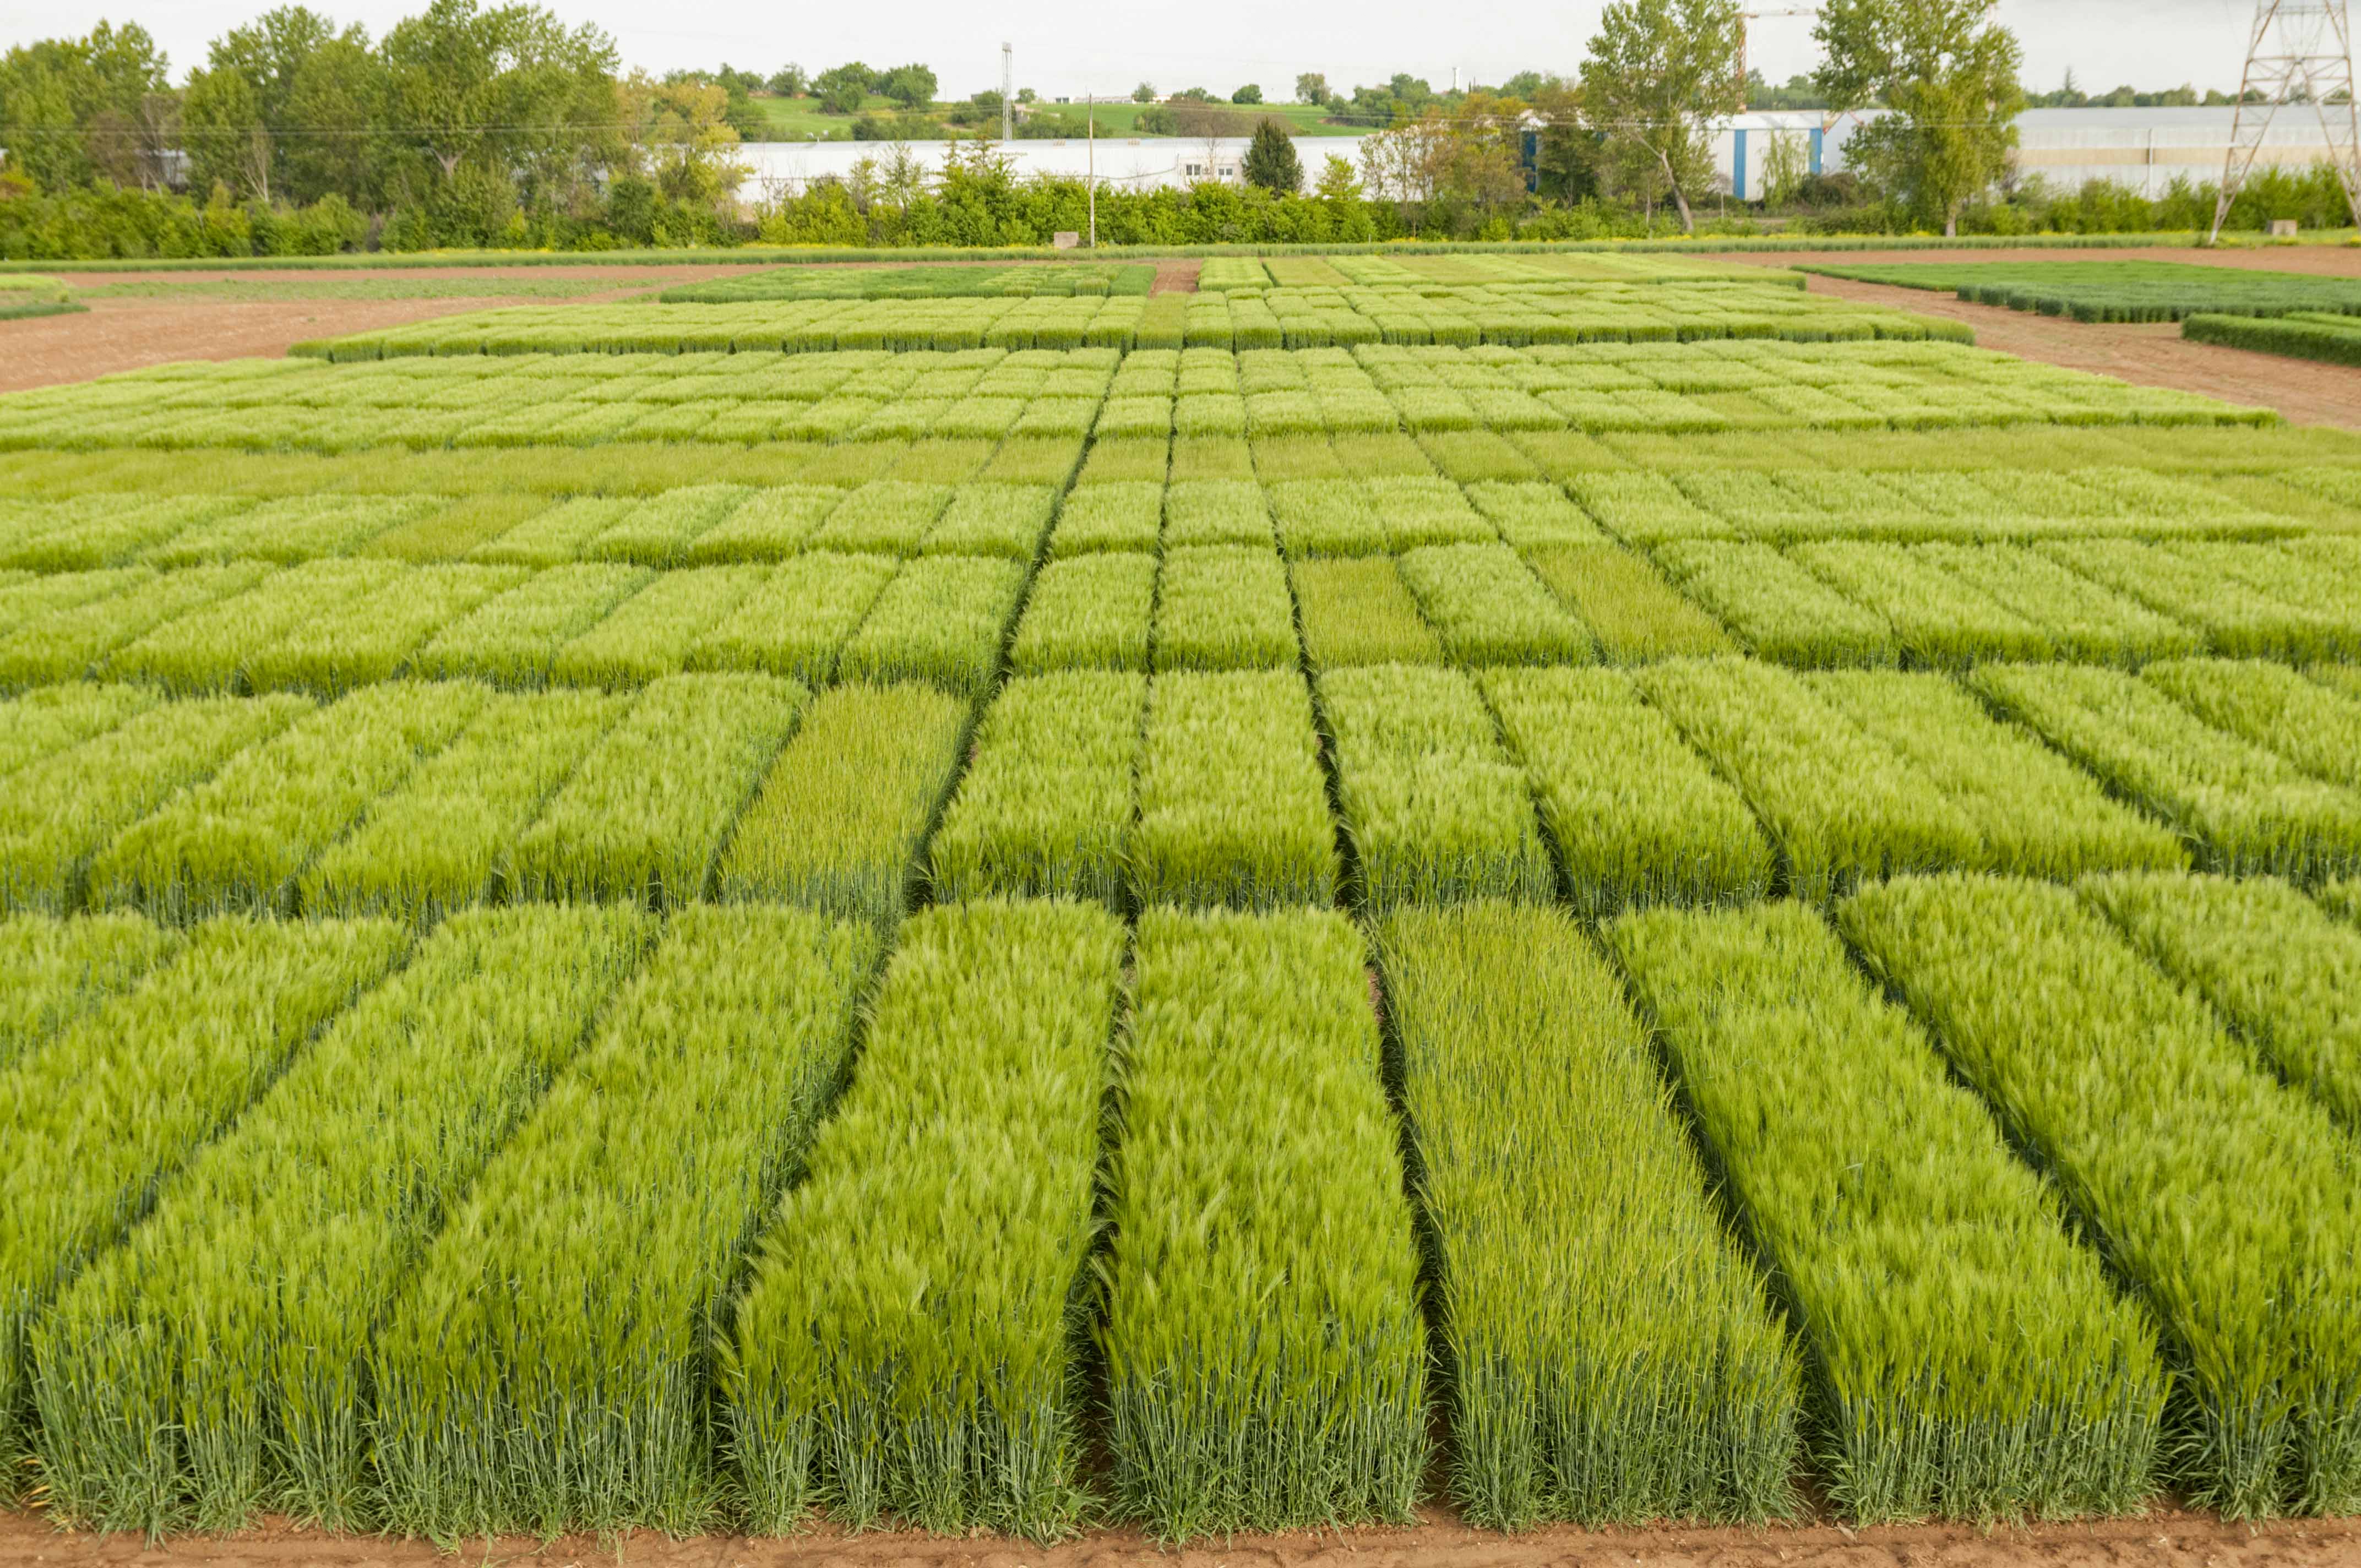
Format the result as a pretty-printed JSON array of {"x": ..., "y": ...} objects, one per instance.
[{"x": 2301, "y": 52}]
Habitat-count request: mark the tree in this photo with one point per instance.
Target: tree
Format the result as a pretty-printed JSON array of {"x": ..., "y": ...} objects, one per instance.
[
  {"x": 681, "y": 138},
  {"x": 1784, "y": 164},
  {"x": 228, "y": 143},
  {"x": 1565, "y": 157},
  {"x": 912, "y": 86},
  {"x": 842, "y": 89},
  {"x": 1144, "y": 93},
  {"x": 1249, "y": 93},
  {"x": 333, "y": 102},
  {"x": 790, "y": 81},
  {"x": 1156, "y": 120},
  {"x": 52, "y": 92},
  {"x": 298, "y": 125},
  {"x": 477, "y": 102},
  {"x": 1271, "y": 160},
  {"x": 1311, "y": 87},
  {"x": 1949, "y": 74},
  {"x": 1659, "y": 72}
]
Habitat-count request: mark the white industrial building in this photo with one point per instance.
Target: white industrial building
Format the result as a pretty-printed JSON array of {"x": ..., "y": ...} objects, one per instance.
[{"x": 2146, "y": 149}]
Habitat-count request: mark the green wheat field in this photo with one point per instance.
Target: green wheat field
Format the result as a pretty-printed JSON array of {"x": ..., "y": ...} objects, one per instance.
[{"x": 1585, "y": 889}]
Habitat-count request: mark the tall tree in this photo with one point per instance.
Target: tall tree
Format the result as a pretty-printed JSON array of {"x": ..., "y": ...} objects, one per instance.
[
  {"x": 62, "y": 99},
  {"x": 1947, "y": 72},
  {"x": 506, "y": 95},
  {"x": 327, "y": 125},
  {"x": 228, "y": 143},
  {"x": 1311, "y": 87},
  {"x": 1660, "y": 73},
  {"x": 1271, "y": 160}
]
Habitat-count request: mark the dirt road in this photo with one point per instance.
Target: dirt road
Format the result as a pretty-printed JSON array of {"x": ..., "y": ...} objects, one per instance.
[{"x": 2164, "y": 1541}]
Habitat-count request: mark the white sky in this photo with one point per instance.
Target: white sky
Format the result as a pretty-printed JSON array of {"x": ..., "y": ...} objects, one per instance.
[{"x": 1071, "y": 46}]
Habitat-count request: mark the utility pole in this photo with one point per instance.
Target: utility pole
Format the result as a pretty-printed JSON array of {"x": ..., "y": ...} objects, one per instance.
[
  {"x": 1007, "y": 91},
  {"x": 2300, "y": 50},
  {"x": 1090, "y": 140}
]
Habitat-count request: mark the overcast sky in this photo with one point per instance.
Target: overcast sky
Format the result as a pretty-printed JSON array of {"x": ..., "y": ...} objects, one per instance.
[{"x": 1071, "y": 46}]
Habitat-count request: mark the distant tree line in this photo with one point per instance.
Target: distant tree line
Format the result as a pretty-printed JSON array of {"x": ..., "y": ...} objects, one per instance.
[{"x": 497, "y": 124}]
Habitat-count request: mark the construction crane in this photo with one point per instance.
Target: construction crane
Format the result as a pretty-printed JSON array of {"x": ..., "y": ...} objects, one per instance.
[
  {"x": 1746, "y": 17},
  {"x": 2300, "y": 52}
]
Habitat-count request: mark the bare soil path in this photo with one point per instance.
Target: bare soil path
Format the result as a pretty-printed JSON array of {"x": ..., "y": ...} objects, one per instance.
[
  {"x": 128, "y": 334},
  {"x": 2151, "y": 355},
  {"x": 2163, "y": 1541}
]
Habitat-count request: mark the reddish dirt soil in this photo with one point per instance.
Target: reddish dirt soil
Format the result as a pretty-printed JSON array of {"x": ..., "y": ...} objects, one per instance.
[
  {"x": 2165, "y": 1540},
  {"x": 125, "y": 335},
  {"x": 2153, "y": 355},
  {"x": 1177, "y": 275}
]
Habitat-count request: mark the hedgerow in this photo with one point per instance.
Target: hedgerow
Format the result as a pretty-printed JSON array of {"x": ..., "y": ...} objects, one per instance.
[
  {"x": 1967, "y": 1358},
  {"x": 1265, "y": 1366},
  {"x": 955, "y": 1406},
  {"x": 1613, "y": 1358}
]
